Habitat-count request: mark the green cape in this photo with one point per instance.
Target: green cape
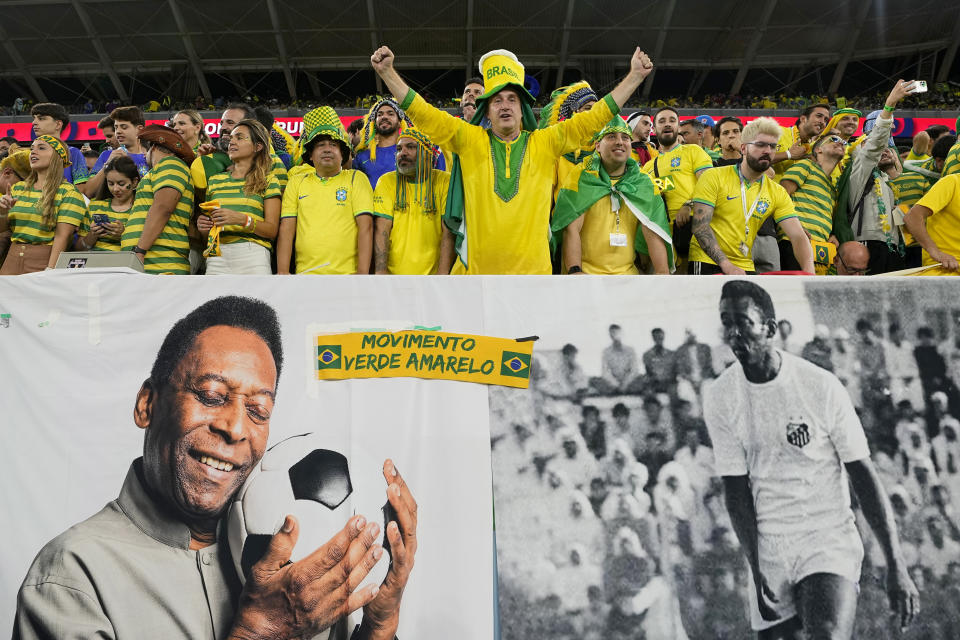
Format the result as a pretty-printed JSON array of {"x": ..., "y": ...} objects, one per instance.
[
  {"x": 453, "y": 216},
  {"x": 589, "y": 182}
]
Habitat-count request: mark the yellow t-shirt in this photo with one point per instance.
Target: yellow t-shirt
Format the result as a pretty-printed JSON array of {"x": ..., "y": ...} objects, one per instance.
[
  {"x": 597, "y": 254},
  {"x": 678, "y": 174},
  {"x": 26, "y": 219},
  {"x": 912, "y": 157},
  {"x": 720, "y": 189},
  {"x": 325, "y": 209},
  {"x": 507, "y": 235},
  {"x": 944, "y": 225},
  {"x": 415, "y": 236}
]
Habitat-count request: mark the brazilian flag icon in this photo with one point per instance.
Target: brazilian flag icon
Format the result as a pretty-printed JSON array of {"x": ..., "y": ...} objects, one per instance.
[
  {"x": 328, "y": 356},
  {"x": 515, "y": 365},
  {"x": 822, "y": 255}
]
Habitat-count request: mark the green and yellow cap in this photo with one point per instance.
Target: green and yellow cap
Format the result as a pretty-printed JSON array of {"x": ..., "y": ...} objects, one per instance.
[
  {"x": 322, "y": 121},
  {"x": 18, "y": 162},
  {"x": 59, "y": 147},
  {"x": 616, "y": 125}
]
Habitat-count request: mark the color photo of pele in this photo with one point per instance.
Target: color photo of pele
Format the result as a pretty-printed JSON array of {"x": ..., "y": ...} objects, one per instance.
[{"x": 798, "y": 476}]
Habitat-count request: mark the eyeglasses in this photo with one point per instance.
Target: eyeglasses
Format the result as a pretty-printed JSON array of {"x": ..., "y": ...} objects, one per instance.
[
  {"x": 764, "y": 145},
  {"x": 856, "y": 272}
]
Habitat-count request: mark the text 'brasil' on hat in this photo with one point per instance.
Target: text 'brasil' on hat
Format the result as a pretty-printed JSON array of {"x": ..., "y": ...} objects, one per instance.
[{"x": 501, "y": 68}]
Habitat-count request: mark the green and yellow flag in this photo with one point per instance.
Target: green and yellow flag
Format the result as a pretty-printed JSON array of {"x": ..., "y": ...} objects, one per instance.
[{"x": 589, "y": 182}]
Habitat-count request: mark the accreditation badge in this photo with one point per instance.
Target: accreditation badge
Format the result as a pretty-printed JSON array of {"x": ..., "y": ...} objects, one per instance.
[{"x": 618, "y": 239}]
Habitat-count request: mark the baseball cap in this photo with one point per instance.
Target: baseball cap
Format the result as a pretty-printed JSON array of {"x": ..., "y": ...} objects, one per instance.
[{"x": 706, "y": 120}]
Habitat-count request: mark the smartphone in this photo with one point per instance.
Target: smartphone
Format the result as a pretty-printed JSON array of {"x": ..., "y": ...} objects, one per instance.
[
  {"x": 919, "y": 86},
  {"x": 101, "y": 219}
]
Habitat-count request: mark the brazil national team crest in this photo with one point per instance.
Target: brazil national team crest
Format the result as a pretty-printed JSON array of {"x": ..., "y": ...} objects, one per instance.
[
  {"x": 341, "y": 194},
  {"x": 675, "y": 162},
  {"x": 762, "y": 205},
  {"x": 798, "y": 434},
  {"x": 328, "y": 356}
]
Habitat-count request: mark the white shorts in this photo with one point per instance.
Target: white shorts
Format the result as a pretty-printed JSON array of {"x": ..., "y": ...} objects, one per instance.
[
  {"x": 240, "y": 258},
  {"x": 787, "y": 559}
]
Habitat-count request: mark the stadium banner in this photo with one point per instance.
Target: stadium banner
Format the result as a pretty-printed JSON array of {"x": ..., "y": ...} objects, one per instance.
[
  {"x": 609, "y": 514},
  {"x": 86, "y": 130},
  {"x": 424, "y": 354},
  {"x": 76, "y": 348}
]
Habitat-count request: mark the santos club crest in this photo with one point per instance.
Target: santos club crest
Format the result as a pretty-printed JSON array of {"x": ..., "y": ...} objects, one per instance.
[{"x": 798, "y": 434}]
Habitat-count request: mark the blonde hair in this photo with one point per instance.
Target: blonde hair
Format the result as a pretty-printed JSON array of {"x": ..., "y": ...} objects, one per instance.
[
  {"x": 196, "y": 119},
  {"x": 262, "y": 165},
  {"x": 764, "y": 126},
  {"x": 51, "y": 184}
]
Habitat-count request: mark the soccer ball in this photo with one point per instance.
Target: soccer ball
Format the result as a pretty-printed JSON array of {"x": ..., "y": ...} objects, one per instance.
[{"x": 296, "y": 476}]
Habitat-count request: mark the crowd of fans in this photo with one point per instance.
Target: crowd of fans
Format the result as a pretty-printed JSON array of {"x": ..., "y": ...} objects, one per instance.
[
  {"x": 410, "y": 189},
  {"x": 614, "y": 473},
  {"x": 942, "y": 97}
]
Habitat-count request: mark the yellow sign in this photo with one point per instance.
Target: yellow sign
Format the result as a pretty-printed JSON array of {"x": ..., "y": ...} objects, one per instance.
[{"x": 423, "y": 354}]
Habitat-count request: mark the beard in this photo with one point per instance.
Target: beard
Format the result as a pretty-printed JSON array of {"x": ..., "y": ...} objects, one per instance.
[
  {"x": 666, "y": 139},
  {"x": 387, "y": 129},
  {"x": 407, "y": 170},
  {"x": 758, "y": 164},
  {"x": 222, "y": 143}
]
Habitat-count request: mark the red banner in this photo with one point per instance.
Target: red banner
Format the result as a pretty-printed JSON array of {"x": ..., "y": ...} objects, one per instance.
[{"x": 87, "y": 130}]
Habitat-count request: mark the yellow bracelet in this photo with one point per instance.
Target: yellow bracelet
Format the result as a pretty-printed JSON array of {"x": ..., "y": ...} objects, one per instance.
[{"x": 253, "y": 229}]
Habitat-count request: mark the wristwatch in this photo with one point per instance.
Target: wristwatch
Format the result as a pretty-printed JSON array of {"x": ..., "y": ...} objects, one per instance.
[
  {"x": 574, "y": 269},
  {"x": 140, "y": 250}
]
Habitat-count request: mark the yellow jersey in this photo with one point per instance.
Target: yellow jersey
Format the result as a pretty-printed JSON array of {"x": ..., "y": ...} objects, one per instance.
[
  {"x": 325, "y": 209},
  {"x": 943, "y": 225},
  {"x": 598, "y": 256},
  {"x": 415, "y": 236},
  {"x": 720, "y": 188},
  {"x": 674, "y": 174}
]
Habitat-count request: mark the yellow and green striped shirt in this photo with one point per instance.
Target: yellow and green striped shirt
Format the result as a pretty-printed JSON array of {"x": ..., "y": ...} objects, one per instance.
[
  {"x": 951, "y": 164},
  {"x": 26, "y": 219},
  {"x": 814, "y": 199},
  {"x": 173, "y": 242},
  {"x": 909, "y": 187},
  {"x": 103, "y": 207},
  {"x": 279, "y": 170},
  {"x": 229, "y": 191}
]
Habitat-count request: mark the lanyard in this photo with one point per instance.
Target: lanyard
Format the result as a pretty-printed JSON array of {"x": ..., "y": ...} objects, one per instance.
[{"x": 743, "y": 203}]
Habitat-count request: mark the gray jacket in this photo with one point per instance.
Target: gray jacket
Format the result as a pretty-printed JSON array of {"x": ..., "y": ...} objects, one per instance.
[{"x": 865, "y": 159}]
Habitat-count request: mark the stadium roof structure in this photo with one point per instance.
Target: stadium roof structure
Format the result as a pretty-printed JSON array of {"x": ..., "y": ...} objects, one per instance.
[{"x": 117, "y": 48}]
